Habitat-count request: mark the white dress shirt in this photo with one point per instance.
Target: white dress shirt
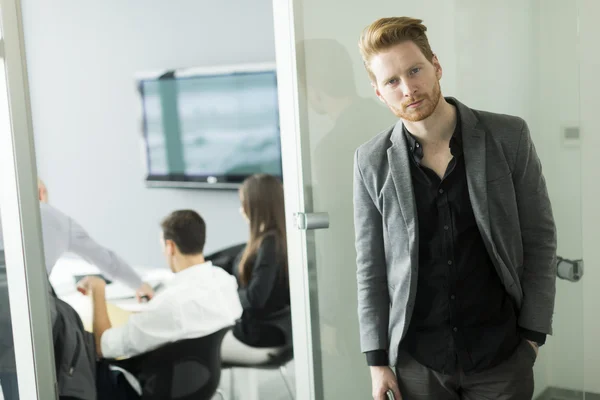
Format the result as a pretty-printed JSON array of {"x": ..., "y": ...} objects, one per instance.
[
  {"x": 61, "y": 234},
  {"x": 196, "y": 302}
]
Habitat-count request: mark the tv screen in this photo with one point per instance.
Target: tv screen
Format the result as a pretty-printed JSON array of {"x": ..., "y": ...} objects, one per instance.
[{"x": 210, "y": 127}]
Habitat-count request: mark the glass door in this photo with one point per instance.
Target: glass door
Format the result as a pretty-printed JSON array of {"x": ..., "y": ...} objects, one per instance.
[
  {"x": 496, "y": 56},
  {"x": 26, "y": 357}
]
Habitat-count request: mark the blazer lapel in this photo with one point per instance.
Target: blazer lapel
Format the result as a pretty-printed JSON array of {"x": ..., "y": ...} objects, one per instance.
[
  {"x": 400, "y": 169},
  {"x": 474, "y": 148}
]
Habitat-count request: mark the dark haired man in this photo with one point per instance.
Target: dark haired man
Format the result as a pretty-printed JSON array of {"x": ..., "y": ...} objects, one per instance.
[{"x": 198, "y": 300}]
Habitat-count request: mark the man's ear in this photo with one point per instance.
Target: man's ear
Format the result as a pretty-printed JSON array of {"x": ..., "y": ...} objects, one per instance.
[
  {"x": 377, "y": 92},
  {"x": 170, "y": 247},
  {"x": 437, "y": 66}
]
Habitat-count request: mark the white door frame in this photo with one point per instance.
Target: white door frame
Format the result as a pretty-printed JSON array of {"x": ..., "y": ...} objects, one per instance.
[
  {"x": 589, "y": 63},
  {"x": 302, "y": 281},
  {"x": 26, "y": 272}
]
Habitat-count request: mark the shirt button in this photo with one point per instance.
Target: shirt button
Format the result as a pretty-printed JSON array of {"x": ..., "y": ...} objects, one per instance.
[
  {"x": 446, "y": 227},
  {"x": 441, "y": 191},
  {"x": 449, "y": 262},
  {"x": 453, "y": 297},
  {"x": 455, "y": 329},
  {"x": 417, "y": 145}
]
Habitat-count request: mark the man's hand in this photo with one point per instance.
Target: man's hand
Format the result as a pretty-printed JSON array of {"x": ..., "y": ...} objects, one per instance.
[
  {"x": 95, "y": 287},
  {"x": 144, "y": 293},
  {"x": 382, "y": 380},
  {"x": 90, "y": 284},
  {"x": 535, "y": 347}
]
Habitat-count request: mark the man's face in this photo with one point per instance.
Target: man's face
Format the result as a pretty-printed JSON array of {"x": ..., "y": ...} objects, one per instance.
[{"x": 407, "y": 82}]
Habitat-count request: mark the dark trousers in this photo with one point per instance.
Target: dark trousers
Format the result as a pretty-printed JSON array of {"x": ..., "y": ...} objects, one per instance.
[
  {"x": 511, "y": 380},
  {"x": 112, "y": 385}
]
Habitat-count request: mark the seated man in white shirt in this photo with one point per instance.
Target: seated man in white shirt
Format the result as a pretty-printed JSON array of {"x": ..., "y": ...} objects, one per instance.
[{"x": 199, "y": 300}]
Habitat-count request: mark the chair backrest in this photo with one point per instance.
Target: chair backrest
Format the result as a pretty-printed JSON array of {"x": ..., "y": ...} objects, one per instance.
[
  {"x": 225, "y": 258},
  {"x": 188, "y": 369}
]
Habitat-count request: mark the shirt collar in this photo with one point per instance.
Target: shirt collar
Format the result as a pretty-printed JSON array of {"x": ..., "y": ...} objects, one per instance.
[
  {"x": 190, "y": 272},
  {"x": 415, "y": 148}
]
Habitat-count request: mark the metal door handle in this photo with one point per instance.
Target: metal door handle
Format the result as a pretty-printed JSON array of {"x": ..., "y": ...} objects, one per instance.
[
  {"x": 570, "y": 270},
  {"x": 307, "y": 221}
]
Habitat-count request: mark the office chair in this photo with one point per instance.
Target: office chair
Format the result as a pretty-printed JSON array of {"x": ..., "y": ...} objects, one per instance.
[
  {"x": 188, "y": 369},
  {"x": 281, "y": 320},
  {"x": 225, "y": 258}
]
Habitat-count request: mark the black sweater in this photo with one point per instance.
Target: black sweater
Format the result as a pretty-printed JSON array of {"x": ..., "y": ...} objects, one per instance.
[{"x": 267, "y": 291}]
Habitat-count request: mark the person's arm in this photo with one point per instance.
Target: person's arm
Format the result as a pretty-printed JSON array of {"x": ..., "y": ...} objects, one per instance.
[
  {"x": 538, "y": 233},
  {"x": 373, "y": 297},
  {"x": 371, "y": 273},
  {"x": 95, "y": 287},
  {"x": 106, "y": 260},
  {"x": 159, "y": 323},
  {"x": 263, "y": 277}
]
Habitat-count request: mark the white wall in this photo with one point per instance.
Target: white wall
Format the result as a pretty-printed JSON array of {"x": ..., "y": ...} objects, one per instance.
[
  {"x": 557, "y": 101},
  {"x": 82, "y": 58},
  {"x": 590, "y": 104},
  {"x": 495, "y": 65},
  {"x": 531, "y": 70},
  {"x": 568, "y": 87}
]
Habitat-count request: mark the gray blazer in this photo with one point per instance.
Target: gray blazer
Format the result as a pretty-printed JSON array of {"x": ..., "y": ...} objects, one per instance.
[{"x": 511, "y": 206}]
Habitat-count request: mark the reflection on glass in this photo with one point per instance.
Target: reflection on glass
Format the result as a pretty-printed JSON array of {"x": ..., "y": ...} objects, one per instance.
[
  {"x": 486, "y": 67},
  {"x": 345, "y": 120}
]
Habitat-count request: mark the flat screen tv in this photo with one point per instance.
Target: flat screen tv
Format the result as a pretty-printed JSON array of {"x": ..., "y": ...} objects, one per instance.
[{"x": 210, "y": 127}]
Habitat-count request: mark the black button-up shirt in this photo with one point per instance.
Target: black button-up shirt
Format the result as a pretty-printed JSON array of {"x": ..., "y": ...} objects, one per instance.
[{"x": 463, "y": 316}]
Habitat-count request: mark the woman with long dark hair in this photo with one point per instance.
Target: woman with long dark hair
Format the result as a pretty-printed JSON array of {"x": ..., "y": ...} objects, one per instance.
[{"x": 262, "y": 268}]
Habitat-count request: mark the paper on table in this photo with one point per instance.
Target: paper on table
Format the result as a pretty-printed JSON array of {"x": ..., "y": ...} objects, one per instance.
[
  {"x": 62, "y": 278},
  {"x": 65, "y": 269},
  {"x": 131, "y": 305},
  {"x": 118, "y": 290},
  {"x": 119, "y": 296}
]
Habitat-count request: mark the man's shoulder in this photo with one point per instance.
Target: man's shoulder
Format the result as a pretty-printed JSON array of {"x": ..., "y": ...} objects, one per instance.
[
  {"x": 57, "y": 226},
  {"x": 221, "y": 275},
  {"x": 48, "y": 210},
  {"x": 372, "y": 150},
  {"x": 54, "y": 216},
  {"x": 499, "y": 120},
  {"x": 491, "y": 120},
  {"x": 504, "y": 128}
]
